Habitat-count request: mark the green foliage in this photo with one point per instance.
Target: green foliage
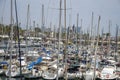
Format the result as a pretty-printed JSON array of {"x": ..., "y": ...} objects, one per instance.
[
  {"x": 6, "y": 30},
  {"x": 37, "y": 30}
]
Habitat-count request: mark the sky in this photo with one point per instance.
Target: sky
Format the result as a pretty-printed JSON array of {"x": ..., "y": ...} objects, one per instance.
[{"x": 107, "y": 9}]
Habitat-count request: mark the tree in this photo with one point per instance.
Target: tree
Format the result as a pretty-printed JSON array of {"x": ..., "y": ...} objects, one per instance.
[{"x": 37, "y": 30}]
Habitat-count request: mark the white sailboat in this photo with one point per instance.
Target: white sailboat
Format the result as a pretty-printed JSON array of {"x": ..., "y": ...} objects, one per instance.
[
  {"x": 73, "y": 73},
  {"x": 51, "y": 72},
  {"x": 15, "y": 68},
  {"x": 108, "y": 73},
  {"x": 3, "y": 67},
  {"x": 13, "y": 72},
  {"x": 89, "y": 74}
]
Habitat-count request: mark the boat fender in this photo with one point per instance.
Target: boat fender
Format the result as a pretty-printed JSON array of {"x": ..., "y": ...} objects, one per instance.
[
  {"x": 5, "y": 67},
  {"x": 107, "y": 76},
  {"x": 99, "y": 75}
]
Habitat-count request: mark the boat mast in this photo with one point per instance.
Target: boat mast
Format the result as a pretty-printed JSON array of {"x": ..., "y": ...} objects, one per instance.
[
  {"x": 68, "y": 36},
  {"x": 2, "y": 27},
  {"x": 94, "y": 36},
  {"x": 54, "y": 37},
  {"x": 96, "y": 47},
  {"x": 81, "y": 34},
  {"x": 59, "y": 31},
  {"x": 92, "y": 29},
  {"x": 27, "y": 28},
  {"x": 34, "y": 33},
  {"x": 43, "y": 21},
  {"x": 66, "y": 40},
  {"x": 11, "y": 35},
  {"x": 109, "y": 37},
  {"x": 77, "y": 34},
  {"x": 102, "y": 38},
  {"x": 116, "y": 42},
  {"x": 77, "y": 31},
  {"x": 18, "y": 38}
]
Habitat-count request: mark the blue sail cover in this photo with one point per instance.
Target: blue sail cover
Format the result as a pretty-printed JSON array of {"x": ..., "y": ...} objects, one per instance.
[
  {"x": 39, "y": 60},
  {"x": 30, "y": 66},
  {"x": 4, "y": 62}
]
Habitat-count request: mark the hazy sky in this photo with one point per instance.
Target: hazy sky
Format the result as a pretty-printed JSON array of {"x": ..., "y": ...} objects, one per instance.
[{"x": 107, "y": 9}]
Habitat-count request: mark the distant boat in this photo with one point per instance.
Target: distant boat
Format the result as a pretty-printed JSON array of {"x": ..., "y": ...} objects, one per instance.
[
  {"x": 14, "y": 71},
  {"x": 108, "y": 72},
  {"x": 32, "y": 55},
  {"x": 34, "y": 67},
  {"x": 15, "y": 68},
  {"x": 51, "y": 72},
  {"x": 2, "y": 52},
  {"x": 89, "y": 74},
  {"x": 74, "y": 68},
  {"x": 3, "y": 67}
]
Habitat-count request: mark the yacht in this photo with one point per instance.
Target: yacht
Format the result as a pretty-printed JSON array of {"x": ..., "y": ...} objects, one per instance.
[
  {"x": 51, "y": 72},
  {"x": 3, "y": 67},
  {"x": 108, "y": 73}
]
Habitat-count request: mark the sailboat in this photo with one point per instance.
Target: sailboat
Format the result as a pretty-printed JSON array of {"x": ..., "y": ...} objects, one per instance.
[
  {"x": 13, "y": 72},
  {"x": 89, "y": 74},
  {"x": 15, "y": 68},
  {"x": 108, "y": 72},
  {"x": 51, "y": 72},
  {"x": 35, "y": 69},
  {"x": 12, "y": 68},
  {"x": 3, "y": 67}
]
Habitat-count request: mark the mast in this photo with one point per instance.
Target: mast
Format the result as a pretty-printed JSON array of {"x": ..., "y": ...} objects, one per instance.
[
  {"x": 34, "y": 33},
  {"x": 59, "y": 30},
  {"x": 69, "y": 20},
  {"x": 11, "y": 36},
  {"x": 43, "y": 21},
  {"x": 54, "y": 37},
  {"x": 109, "y": 36},
  {"x": 81, "y": 34},
  {"x": 34, "y": 29},
  {"x": 66, "y": 40},
  {"x": 27, "y": 29},
  {"x": 50, "y": 29},
  {"x": 92, "y": 28},
  {"x": 2, "y": 25},
  {"x": 102, "y": 37},
  {"x": 18, "y": 39},
  {"x": 94, "y": 36},
  {"x": 68, "y": 36},
  {"x": 2, "y": 29},
  {"x": 77, "y": 31},
  {"x": 116, "y": 42},
  {"x": 96, "y": 47}
]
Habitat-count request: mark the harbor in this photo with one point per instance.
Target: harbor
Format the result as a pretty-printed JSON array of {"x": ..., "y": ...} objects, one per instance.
[{"x": 46, "y": 40}]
